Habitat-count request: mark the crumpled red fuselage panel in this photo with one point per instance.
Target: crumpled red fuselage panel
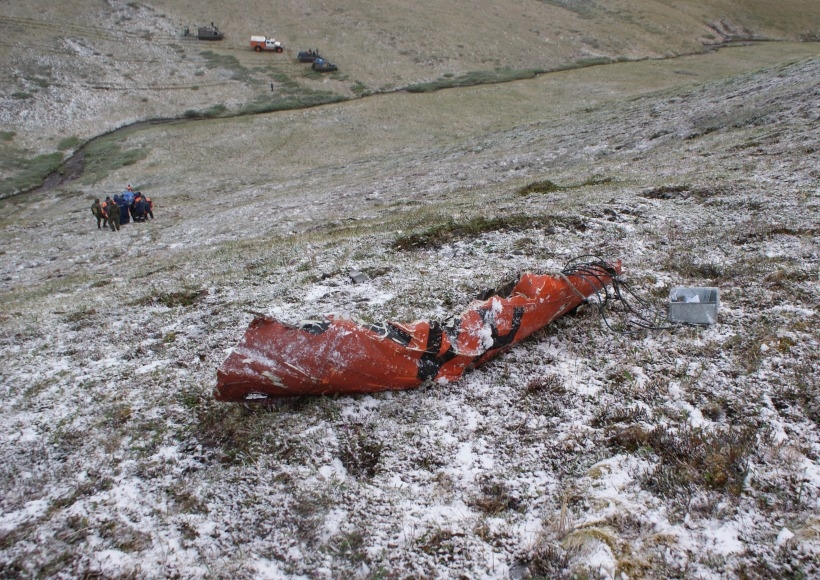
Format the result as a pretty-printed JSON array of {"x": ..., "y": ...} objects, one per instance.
[{"x": 341, "y": 356}]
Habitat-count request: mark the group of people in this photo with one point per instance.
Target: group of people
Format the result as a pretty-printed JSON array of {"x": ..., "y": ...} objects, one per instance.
[{"x": 122, "y": 208}]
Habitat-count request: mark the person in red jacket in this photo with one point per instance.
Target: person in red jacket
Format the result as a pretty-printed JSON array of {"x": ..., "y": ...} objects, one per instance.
[{"x": 149, "y": 207}]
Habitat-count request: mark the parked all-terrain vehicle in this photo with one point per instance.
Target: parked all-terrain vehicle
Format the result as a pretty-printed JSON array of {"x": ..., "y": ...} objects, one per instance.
[
  {"x": 308, "y": 55},
  {"x": 321, "y": 65},
  {"x": 205, "y": 33},
  {"x": 209, "y": 33},
  {"x": 260, "y": 43}
]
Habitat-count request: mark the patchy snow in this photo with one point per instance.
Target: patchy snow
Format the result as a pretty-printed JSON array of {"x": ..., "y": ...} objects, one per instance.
[
  {"x": 723, "y": 538},
  {"x": 681, "y": 452},
  {"x": 31, "y": 510}
]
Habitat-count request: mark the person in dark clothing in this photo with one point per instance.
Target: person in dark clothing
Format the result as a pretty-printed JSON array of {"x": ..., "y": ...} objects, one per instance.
[
  {"x": 123, "y": 207},
  {"x": 138, "y": 213},
  {"x": 97, "y": 210},
  {"x": 127, "y": 200},
  {"x": 113, "y": 215},
  {"x": 149, "y": 207}
]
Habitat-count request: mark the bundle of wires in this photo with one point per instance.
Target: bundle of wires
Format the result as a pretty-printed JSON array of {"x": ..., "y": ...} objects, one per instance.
[{"x": 639, "y": 313}]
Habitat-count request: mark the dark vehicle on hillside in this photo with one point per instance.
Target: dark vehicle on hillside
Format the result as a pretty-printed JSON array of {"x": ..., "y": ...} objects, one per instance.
[
  {"x": 204, "y": 33},
  {"x": 209, "y": 33},
  {"x": 308, "y": 55},
  {"x": 321, "y": 65}
]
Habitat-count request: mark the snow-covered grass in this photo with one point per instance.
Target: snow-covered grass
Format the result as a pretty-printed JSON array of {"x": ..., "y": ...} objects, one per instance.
[{"x": 686, "y": 452}]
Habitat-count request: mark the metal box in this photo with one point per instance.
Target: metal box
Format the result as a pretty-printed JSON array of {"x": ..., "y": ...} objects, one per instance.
[
  {"x": 694, "y": 305},
  {"x": 358, "y": 277}
]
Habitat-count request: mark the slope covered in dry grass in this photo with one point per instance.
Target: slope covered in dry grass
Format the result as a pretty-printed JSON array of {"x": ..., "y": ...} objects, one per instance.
[
  {"x": 686, "y": 452},
  {"x": 72, "y": 71}
]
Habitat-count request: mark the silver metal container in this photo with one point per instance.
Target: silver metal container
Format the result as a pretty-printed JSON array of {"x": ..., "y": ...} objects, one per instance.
[{"x": 694, "y": 305}]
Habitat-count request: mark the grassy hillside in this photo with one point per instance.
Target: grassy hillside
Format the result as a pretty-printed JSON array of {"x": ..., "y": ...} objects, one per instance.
[
  {"x": 583, "y": 452},
  {"x": 81, "y": 69}
]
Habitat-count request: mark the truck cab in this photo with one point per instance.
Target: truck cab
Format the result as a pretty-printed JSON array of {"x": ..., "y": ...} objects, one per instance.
[{"x": 260, "y": 43}]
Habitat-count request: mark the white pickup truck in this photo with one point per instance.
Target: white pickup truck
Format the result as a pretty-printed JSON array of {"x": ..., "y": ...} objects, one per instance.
[{"x": 260, "y": 43}]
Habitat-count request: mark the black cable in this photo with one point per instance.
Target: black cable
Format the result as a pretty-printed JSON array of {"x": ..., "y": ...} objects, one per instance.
[{"x": 592, "y": 266}]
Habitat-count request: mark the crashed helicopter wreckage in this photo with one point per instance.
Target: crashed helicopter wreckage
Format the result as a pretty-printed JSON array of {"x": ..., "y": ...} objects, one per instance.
[{"x": 341, "y": 356}]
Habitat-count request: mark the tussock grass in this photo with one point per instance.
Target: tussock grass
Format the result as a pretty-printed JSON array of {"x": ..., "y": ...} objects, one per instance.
[
  {"x": 501, "y": 75},
  {"x": 749, "y": 348},
  {"x": 580, "y": 538},
  {"x": 107, "y": 154},
  {"x": 350, "y": 546},
  {"x": 123, "y": 537},
  {"x": 548, "y": 186},
  {"x": 209, "y": 113},
  {"x": 685, "y": 191},
  {"x": 694, "y": 267},
  {"x": 287, "y": 95},
  {"x": 754, "y": 115},
  {"x": 440, "y": 542},
  {"x": 548, "y": 560},
  {"x": 549, "y": 385},
  {"x": 547, "y": 396},
  {"x": 689, "y": 458},
  {"x": 280, "y": 102},
  {"x": 227, "y": 62},
  {"x": 360, "y": 450},
  {"x": 68, "y": 143},
  {"x": 495, "y": 496},
  {"x": 594, "y": 61},
  {"x": 183, "y": 298},
  {"x": 545, "y": 186},
  {"x": 803, "y": 392},
  {"x": 761, "y": 230},
  {"x": 610, "y": 415},
  {"x": 228, "y": 431},
  {"x": 438, "y": 235},
  {"x": 27, "y": 173},
  {"x": 583, "y": 8}
]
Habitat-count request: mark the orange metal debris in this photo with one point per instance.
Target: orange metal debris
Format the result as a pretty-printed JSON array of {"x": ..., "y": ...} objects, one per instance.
[{"x": 340, "y": 356}]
